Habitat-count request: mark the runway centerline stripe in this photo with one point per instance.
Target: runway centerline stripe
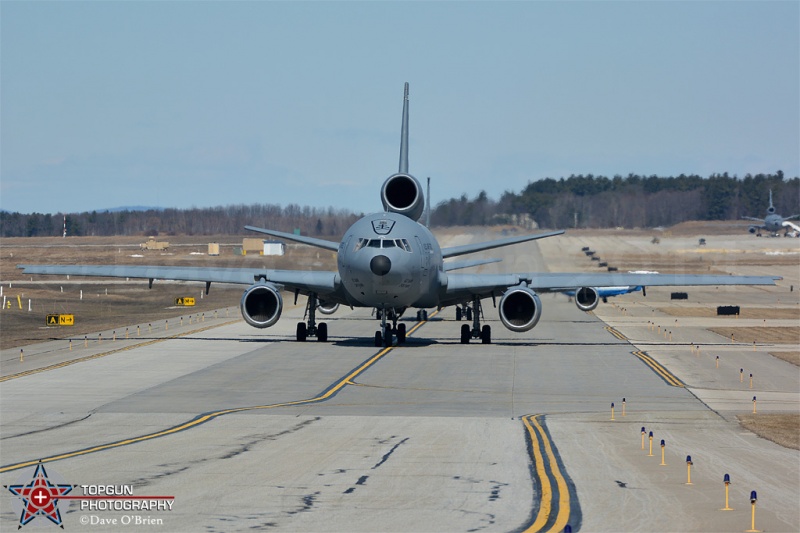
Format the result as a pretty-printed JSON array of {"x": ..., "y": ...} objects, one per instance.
[
  {"x": 547, "y": 467},
  {"x": 206, "y": 417}
]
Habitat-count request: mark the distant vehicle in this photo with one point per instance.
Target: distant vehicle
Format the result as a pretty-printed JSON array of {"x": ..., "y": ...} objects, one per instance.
[
  {"x": 389, "y": 262},
  {"x": 773, "y": 222}
]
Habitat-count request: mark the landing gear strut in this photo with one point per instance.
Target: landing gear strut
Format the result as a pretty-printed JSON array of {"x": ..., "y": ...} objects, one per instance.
[
  {"x": 476, "y": 332},
  {"x": 383, "y": 337},
  {"x": 320, "y": 331}
]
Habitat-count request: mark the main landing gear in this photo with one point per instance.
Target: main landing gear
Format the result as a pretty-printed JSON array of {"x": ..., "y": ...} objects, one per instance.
[
  {"x": 312, "y": 329},
  {"x": 477, "y": 332},
  {"x": 383, "y": 337},
  {"x": 464, "y": 312}
]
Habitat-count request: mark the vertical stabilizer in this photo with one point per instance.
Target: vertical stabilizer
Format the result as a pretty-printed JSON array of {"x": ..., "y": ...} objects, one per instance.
[
  {"x": 428, "y": 205},
  {"x": 404, "y": 135},
  {"x": 771, "y": 208}
]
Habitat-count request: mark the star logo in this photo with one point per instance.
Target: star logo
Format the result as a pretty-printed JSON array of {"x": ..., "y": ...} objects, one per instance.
[
  {"x": 40, "y": 497},
  {"x": 382, "y": 227}
]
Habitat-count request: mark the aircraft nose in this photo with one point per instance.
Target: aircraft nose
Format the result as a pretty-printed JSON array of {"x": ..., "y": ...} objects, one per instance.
[{"x": 380, "y": 265}]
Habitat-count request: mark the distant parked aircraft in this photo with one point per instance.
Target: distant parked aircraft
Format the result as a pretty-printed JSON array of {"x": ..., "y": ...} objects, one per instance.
[{"x": 773, "y": 222}]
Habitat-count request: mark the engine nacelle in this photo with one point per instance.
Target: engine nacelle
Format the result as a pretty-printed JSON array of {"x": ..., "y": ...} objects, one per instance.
[
  {"x": 402, "y": 194},
  {"x": 326, "y": 308},
  {"x": 752, "y": 229},
  {"x": 586, "y": 298},
  {"x": 262, "y": 305},
  {"x": 520, "y": 309}
]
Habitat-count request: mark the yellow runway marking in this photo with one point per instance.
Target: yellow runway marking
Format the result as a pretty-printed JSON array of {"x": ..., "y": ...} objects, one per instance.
[
  {"x": 543, "y": 472},
  {"x": 616, "y": 333},
  {"x": 201, "y": 419},
  {"x": 665, "y": 374}
]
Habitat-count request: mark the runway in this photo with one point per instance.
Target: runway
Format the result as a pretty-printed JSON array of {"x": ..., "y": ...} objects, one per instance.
[{"x": 248, "y": 429}]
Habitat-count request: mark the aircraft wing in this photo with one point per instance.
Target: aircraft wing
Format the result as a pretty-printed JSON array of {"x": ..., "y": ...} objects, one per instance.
[
  {"x": 461, "y": 286},
  {"x": 754, "y": 219},
  {"x": 320, "y": 282},
  {"x": 457, "y": 265}
]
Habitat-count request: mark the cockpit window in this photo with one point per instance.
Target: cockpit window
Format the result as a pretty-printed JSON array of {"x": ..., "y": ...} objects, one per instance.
[{"x": 383, "y": 243}]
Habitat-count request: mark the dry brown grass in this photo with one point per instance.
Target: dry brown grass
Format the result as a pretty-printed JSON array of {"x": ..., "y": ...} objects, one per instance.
[
  {"x": 111, "y": 304},
  {"x": 783, "y": 429},
  {"x": 745, "y": 312},
  {"x": 761, "y": 334},
  {"x": 789, "y": 357}
]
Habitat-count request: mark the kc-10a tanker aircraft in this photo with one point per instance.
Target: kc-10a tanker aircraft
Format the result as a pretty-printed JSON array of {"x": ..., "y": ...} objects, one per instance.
[
  {"x": 773, "y": 222},
  {"x": 389, "y": 262}
]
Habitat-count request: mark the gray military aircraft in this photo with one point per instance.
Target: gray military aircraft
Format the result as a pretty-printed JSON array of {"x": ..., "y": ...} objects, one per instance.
[
  {"x": 391, "y": 263},
  {"x": 773, "y": 222}
]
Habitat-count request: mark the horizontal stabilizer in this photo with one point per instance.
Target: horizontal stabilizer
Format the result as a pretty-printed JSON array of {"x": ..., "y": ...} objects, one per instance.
[
  {"x": 311, "y": 241},
  {"x": 480, "y": 246}
]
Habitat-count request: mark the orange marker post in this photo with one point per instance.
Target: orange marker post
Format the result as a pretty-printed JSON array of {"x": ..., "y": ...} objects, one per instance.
[
  {"x": 753, "y": 499},
  {"x": 643, "y": 432},
  {"x": 651, "y": 445},
  {"x": 689, "y": 469},
  {"x": 754, "y": 405},
  {"x": 751, "y": 381},
  {"x": 612, "y": 410},
  {"x": 663, "y": 445},
  {"x": 717, "y": 361},
  {"x": 623, "y": 407},
  {"x": 727, "y": 481},
  {"x": 741, "y": 375}
]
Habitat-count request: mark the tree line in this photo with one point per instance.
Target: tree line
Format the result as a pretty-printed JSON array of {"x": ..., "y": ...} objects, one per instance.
[
  {"x": 632, "y": 202},
  {"x": 578, "y": 201},
  {"x": 220, "y": 220}
]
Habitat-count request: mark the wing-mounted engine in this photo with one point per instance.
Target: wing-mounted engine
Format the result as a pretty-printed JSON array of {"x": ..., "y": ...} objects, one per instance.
[
  {"x": 586, "y": 298},
  {"x": 326, "y": 308},
  {"x": 402, "y": 194},
  {"x": 752, "y": 229},
  {"x": 520, "y": 309},
  {"x": 262, "y": 305}
]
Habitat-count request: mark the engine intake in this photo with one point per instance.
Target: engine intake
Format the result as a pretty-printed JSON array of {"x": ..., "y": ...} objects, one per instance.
[
  {"x": 262, "y": 305},
  {"x": 326, "y": 308},
  {"x": 586, "y": 298},
  {"x": 402, "y": 194},
  {"x": 520, "y": 309}
]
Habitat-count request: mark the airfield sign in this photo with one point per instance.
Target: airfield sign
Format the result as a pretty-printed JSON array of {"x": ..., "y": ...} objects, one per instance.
[
  {"x": 185, "y": 301},
  {"x": 60, "y": 320}
]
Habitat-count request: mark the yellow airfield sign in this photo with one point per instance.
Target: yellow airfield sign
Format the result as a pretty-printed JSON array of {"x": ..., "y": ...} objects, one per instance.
[
  {"x": 185, "y": 301},
  {"x": 60, "y": 320}
]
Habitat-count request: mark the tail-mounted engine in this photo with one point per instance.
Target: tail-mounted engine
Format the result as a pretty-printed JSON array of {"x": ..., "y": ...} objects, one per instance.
[
  {"x": 402, "y": 194},
  {"x": 326, "y": 308},
  {"x": 586, "y": 298},
  {"x": 262, "y": 305},
  {"x": 520, "y": 309}
]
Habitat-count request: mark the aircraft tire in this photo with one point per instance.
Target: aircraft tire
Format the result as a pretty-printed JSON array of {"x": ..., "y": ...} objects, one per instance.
[
  {"x": 401, "y": 334},
  {"x": 458, "y": 314},
  {"x": 387, "y": 336},
  {"x": 469, "y": 313},
  {"x": 378, "y": 339},
  {"x": 486, "y": 334},
  {"x": 465, "y": 334},
  {"x": 302, "y": 332},
  {"x": 322, "y": 332},
  {"x": 425, "y": 315}
]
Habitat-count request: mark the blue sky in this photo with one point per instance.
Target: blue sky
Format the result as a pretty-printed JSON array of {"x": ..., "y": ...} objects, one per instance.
[{"x": 180, "y": 104}]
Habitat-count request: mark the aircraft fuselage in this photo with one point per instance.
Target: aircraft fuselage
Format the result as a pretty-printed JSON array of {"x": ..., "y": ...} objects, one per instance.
[{"x": 386, "y": 260}]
